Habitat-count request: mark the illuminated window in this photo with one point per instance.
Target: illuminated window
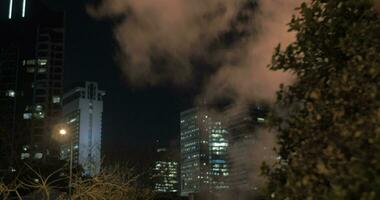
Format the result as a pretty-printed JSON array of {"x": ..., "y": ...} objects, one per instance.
[
  {"x": 25, "y": 156},
  {"x": 42, "y": 62},
  {"x": 56, "y": 99},
  {"x": 260, "y": 119},
  {"x": 38, "y": 108},
  {"x": 38, "y": 155},
  {"x": 39, "y": 115},
  {"x": 72, "y": 120},
  {"x": 10, "y": 93},
  {"x": 27, "y": 116}
]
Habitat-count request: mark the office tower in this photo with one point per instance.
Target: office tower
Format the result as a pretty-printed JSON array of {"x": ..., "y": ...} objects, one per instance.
[
  {"x": 242, "y": 124},
  {"x": 82, "y": 114},
  {"x": 203, "y": 165},
  {"x": 165, "y": 172},
  {"x": 31, "y": 77}
]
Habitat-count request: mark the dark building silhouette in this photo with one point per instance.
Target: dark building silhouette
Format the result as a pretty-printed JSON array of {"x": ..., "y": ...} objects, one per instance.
[
  {"x": 243, "y": 124},
  {"x": 31, "y": 78}
]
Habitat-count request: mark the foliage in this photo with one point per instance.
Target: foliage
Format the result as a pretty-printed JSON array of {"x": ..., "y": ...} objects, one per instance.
[
  {"x": 329, "y": 141},
  {"x": 111, "y": 183}
]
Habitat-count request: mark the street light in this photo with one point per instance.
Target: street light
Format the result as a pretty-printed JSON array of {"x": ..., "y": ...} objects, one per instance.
[{"x": 64, "y": 132}]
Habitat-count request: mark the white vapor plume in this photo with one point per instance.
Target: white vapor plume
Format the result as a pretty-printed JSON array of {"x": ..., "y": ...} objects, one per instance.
[
  {"x": 158, "y": 41},
  {"x": 250, "y": 79},
  {"x": 170, "y": 31}
]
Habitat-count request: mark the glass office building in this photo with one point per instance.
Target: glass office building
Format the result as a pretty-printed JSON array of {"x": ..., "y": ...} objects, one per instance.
[{"x": 204, "y": 146}]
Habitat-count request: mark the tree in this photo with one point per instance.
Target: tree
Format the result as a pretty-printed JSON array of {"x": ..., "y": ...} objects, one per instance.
[
  {"x": 329, "y": 140},
  {"x": 117, "y": 183}
]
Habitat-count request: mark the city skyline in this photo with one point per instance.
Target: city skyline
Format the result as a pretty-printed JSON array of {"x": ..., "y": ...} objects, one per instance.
[{"x": 189, "y": 100}]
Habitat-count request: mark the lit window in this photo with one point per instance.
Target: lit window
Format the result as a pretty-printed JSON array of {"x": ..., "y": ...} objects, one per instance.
[
  {"x": 38, "y": 108},
  {"x": 42, "y": 62},
  {"x": 42, "y": 70},
  {"x": 38, "y": 155},
  {"x": 39, "y": 115},
  {"x": 25, "y": 147},
  {"x": 56, "y": 99},
  {"x": 10, "y": 93},
  {"x": 25, "y": 156},
  {"x": 72, "y": 120},
  {"x": 260, "y": 119},
  {"x": 27, "y": 115}
]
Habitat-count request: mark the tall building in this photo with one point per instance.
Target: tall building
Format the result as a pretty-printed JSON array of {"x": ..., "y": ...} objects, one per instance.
[
  {"x": 165, "y": 172},
  {"x": 242, "y": 124},
  {"x": 31, "y": 76},
  {"x": 82, "y": 112},
  {"x": 204, "y": 145}
]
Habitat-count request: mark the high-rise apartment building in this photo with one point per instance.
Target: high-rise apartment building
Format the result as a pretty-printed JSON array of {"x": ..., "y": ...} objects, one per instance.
[
  {"x": 204, "y": 145},
  {"x": 31, "y": 77},
  {"x": 82, "y": 114}
]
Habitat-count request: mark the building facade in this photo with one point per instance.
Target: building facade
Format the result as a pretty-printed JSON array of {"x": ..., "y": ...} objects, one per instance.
[
  {"x": 31, "y": 76},
  {"x": 243, "y": 124},
  {"x": 82, "y": 112},
  {"x": 204, "y": 146},
  {"x": 165, "y": 172}
]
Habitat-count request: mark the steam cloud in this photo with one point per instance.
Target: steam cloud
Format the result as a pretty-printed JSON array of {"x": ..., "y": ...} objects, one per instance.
[
  {"x": 171, "y": 31},
  {"x": 158, "y": 41},
  {"x": 250, "y": 79}
]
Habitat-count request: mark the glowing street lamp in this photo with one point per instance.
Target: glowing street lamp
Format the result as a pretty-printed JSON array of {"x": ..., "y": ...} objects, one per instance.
[{"x": 62, "y": 131}]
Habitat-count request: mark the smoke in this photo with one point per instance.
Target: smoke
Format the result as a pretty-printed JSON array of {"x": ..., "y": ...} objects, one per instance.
[
  {"x": 250, "y": 79},
  {"x": 158, "y": 39},
  {"x": 261, "y": 151},
  {"x": 162, "y": 41}
]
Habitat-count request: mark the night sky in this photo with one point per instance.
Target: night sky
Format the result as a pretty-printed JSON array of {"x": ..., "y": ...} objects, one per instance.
[{"x": 133, "y": 118}]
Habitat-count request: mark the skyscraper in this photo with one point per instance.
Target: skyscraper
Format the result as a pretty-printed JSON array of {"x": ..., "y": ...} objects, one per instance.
[
  {"x": 31, "y": 76},
  {"x": 204, "y": 145},
  {"x": 82, "y": 112},
  {"x": 243, "y": 124},
  {"x": 165, "y": 172}
]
